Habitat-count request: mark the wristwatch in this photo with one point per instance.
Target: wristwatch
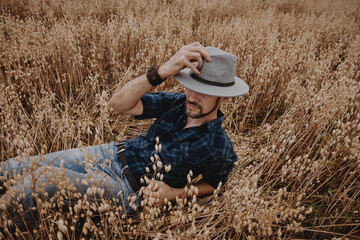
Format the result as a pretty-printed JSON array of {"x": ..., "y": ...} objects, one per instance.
[{"x": 153, "y": 76}]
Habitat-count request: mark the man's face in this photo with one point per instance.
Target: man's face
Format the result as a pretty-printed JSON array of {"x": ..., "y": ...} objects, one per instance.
[{"x": 199, "y": 105}]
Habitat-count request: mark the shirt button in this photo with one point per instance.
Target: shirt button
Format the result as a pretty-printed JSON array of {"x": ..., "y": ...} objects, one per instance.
[
  {"x": 187, "y": 154},
  {"x": 144, "y": 151}
]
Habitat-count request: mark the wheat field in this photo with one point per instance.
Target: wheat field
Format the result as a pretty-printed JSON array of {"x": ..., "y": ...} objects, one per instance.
[{"x": 296, "y": 134}]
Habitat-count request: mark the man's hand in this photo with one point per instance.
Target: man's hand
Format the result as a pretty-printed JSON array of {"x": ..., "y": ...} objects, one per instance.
[
  {"x": 166, "y": 192},
  {"x": 184, "y": 58}
]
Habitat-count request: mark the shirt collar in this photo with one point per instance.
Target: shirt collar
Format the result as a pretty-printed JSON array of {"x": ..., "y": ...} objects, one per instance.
[{"x": 216, "y": 123}]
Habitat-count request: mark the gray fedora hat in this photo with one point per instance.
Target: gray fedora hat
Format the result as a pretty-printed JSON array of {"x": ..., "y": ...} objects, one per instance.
[{"x": 216, "y": 78}]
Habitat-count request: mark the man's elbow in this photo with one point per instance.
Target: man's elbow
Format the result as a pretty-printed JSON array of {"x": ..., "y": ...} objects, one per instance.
[{"x": 114, "y": 105}]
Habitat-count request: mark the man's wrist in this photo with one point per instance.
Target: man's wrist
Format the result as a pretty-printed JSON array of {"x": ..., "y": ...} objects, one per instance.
[
  {"x": 153, "y": 76},
  {"x": 162, "y": 71},
  {"x": 182, "y": 193},
  {"x": 177, "y": 192}
]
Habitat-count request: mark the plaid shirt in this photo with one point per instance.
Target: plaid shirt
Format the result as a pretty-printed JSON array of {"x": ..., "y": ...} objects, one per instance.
[{"x": 205, "y": 150}]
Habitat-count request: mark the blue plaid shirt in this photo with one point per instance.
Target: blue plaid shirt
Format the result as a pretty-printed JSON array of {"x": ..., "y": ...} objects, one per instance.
[{"x": 205, "y": 150}]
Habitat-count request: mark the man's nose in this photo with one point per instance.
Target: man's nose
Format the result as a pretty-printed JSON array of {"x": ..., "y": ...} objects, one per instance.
[{"x": 193, "y": 95}]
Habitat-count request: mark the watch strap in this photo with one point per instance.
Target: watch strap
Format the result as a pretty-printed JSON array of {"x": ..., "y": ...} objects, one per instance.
[{"x": 153, "y": 76}]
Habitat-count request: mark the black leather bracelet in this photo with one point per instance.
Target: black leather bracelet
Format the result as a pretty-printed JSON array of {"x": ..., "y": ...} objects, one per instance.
[{"x": 153, "y": 76}]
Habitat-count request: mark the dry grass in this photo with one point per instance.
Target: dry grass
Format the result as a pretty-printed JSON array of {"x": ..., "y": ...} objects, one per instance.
[{"x": 296, "y": 133}]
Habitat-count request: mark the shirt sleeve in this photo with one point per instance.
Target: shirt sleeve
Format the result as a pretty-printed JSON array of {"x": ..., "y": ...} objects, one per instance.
[{"x": 155, "y": 104}]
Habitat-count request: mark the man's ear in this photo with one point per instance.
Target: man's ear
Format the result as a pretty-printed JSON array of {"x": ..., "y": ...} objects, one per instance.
[{"x": 224, "y": 99}]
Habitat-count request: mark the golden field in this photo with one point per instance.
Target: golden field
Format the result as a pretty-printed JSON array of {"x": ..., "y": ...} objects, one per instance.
[{"x": 297, "y": 132}]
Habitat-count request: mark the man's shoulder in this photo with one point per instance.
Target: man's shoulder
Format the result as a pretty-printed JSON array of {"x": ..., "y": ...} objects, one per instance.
[
  {"x": 156, "y": 104},
  {"x": 169, "y": 98},
  {"x": 221, "y": 143},
  {"x": 171, "y": 95}
]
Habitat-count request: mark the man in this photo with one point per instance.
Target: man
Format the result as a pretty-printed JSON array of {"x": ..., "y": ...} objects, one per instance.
[{"x": 188, "y": 127}]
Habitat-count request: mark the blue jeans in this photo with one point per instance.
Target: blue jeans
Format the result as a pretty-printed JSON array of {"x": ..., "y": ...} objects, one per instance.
[{"x": 78, "y": 169}]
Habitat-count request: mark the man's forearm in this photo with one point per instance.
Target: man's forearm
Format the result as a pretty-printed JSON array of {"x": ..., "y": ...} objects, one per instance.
[
  {"x": 203, "y": 188},
  {"x": 170, "y": 193},
  {"x": 129, "y": 96}
]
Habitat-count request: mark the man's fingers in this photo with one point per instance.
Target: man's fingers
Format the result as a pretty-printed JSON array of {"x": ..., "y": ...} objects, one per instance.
[
  {"x": 197, "y": 57},
  {"x": 200, "y": 49},
  {"x": 197, "y": 44},
  {"x": 183, "y": 58},
  {"x": 192, "y": 67}
]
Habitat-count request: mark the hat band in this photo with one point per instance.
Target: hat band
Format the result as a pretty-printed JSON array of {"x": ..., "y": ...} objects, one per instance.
[{"x": 220, "y": 84}]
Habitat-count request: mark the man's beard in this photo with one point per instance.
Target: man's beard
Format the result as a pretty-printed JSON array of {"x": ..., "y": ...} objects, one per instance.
[{"x": 200, "y": 114}]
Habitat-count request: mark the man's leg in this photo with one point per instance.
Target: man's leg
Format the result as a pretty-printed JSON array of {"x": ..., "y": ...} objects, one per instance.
[
  {"x": 73, "y": 159},
  {"x": 55, "y": 188},
  {"x": 98, "y": 175},
  {"x": 76, "y": 159}
]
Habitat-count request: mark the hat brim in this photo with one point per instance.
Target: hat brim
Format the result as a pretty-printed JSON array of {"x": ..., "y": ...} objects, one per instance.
[{"x": 239, "y": 88}]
